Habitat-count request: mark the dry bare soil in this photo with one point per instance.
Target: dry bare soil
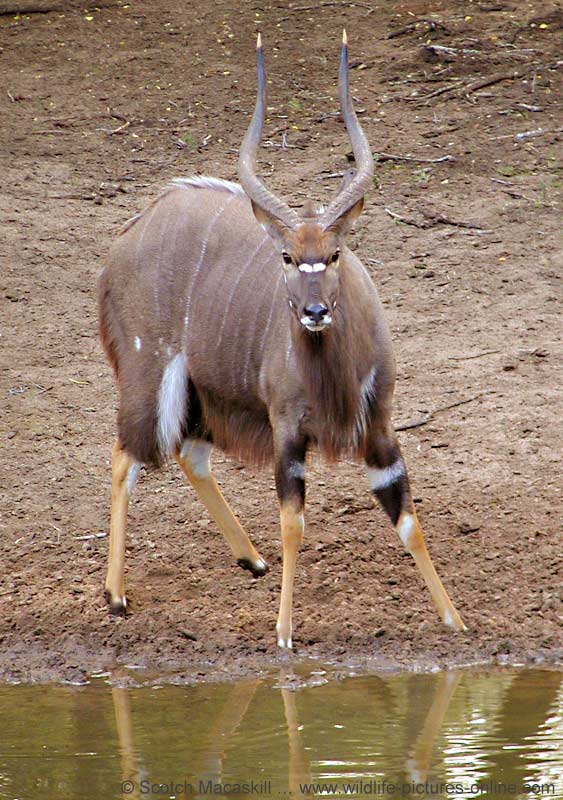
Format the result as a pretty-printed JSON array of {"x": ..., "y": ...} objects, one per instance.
[{"x": 462, "y": 102}]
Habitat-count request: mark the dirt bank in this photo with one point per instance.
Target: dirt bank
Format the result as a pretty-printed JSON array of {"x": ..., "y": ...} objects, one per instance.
[{"x": 463, "y": 102}]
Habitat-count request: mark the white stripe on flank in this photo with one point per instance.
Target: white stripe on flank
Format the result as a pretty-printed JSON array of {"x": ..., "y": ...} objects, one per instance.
[
  {"x": 200, "y": 261},
  {"x": 172, "y": 404},
  {"x": 264, "y": 332},
  {"x": 235, "y": 287},
  {"x": 382, "y": 478},
  {"x": 208, "y": 182}
]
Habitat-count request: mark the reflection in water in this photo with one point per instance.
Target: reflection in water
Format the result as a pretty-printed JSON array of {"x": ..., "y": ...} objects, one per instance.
[{"x": 360, "y": 736}]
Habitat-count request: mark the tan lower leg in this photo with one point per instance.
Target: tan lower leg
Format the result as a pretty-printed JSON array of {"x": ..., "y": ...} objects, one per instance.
[
  {"x": 210, "y": 495},
  {"x": 115, "y": 580},
  {"x": 292, "y": 526},
  {"x": 412, "y": 537}
]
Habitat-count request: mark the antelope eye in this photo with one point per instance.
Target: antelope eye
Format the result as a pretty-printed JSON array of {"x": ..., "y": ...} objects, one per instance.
[
  {"x": 334, "y": 257},
  {"x": 287, "y": 258}
]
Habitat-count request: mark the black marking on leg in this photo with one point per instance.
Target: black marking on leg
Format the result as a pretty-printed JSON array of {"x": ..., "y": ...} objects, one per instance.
[
  {"x": 391, "y": 499},
  {"x": 290, "y": 472},
  {"x": 257, "y": 572}
]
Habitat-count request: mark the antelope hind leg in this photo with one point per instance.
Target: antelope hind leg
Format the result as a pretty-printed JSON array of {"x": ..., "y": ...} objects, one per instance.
[
  {"x": 390, "y": 484},
  {"x": 124, "y": 471},
  {"x": 193, "y": 458}
]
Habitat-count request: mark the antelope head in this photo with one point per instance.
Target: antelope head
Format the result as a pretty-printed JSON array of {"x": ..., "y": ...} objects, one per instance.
[{"x": 309, "y": 245}]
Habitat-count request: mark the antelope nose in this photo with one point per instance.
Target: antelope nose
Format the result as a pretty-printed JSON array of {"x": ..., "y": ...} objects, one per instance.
[{"x": 316, "y": 311}]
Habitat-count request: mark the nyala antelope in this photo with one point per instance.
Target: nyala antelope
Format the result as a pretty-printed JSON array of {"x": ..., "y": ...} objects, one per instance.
[{"x": 232, "y": 321}]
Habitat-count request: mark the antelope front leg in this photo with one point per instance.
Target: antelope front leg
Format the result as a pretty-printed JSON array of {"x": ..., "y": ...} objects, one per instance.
[
  {"x": 124, "y": 471},
  {"x": 390, "y": 484},
  {"x": 194, "y": 459},
  {"x": 290, "y": 485}
]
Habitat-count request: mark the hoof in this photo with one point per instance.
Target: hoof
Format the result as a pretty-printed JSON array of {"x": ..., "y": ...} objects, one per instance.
[
  {"x": 454, "y": 621},
  {"x": 258, "y": 568},
  {"x": 117, "y": 607}
]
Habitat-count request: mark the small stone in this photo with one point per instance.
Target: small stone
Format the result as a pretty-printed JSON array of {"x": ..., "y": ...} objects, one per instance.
[{"x": 467, "y": 526}]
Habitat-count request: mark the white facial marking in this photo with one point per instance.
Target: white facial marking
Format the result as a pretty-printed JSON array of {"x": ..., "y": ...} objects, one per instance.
[
  {"x": 197, "y": 454},
  {"x": 317, "y": 267},
  {"x": 132, "y": 475},
  {"x": 296, "y": 470},
  {"x": 138, "y": 343},
  {"x": 308, "y": 323},
  {"x": 382, "y": 478},
  {"x": 172, "y": 399},
  {"x": 406, "y": 529}
]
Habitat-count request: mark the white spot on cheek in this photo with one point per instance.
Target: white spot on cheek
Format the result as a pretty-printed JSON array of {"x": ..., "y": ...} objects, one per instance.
[
  {"x": 406, "y": 530},
  {"x": 138, "y": 343},
  {"x": 197, "y": 454}
]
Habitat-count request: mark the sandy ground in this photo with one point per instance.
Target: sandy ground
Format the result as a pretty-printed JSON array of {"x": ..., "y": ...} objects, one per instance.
[{"x": 463, "y": 102}]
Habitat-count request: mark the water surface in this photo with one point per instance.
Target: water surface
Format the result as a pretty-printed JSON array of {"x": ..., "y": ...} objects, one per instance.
[{"x": 489, "y": 734}]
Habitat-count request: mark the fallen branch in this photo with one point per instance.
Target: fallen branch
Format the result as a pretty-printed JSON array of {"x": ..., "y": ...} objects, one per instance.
[
  {"x": 492, "y": 79},
  {"x": 72, "y": 196},
  {"x": 33, "y": 8},
  {"x": 431, "y": 220},
  {"x": 439, "y": 219},
  {"x": 392, "y": 157},
  {"x": 405, "y": 220},
  {"x": 331, "y": 3},
  {"x": 418, "y": 423},
  {"x": 468, "y": 88},
  {"x": 478, "y": 355},
  {"x": 432, "y": 25}
]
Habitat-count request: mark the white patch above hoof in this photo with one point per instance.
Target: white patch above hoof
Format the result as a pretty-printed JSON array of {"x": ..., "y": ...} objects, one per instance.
[
  {"x": 406, "y": 529},
  {"x": 285, "y": 644},
  {"x": 451, "y": 622}
]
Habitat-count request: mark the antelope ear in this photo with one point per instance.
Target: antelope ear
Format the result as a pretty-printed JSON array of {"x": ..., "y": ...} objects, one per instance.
[
  {"x": 273, "y": 226},
  {"x": 345, "y": 222}
]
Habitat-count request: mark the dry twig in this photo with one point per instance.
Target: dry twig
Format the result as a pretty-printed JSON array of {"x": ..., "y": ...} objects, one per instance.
[
  {"x": 392, "y": 157},
  {"x": 332, "y": 3},
  {"x": 418, "y": 423}
]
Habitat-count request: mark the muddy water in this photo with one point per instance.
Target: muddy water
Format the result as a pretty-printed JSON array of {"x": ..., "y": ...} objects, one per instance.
[{"x": 453, "y": 734}]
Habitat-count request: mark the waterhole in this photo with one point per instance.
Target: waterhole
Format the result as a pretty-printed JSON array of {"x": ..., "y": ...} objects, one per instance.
[{"x": 303, "y": 733}]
